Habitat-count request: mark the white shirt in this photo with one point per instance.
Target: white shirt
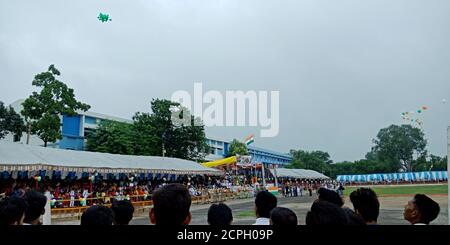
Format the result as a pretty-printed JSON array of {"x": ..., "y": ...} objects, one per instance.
[{"x": 262, "y": 221}]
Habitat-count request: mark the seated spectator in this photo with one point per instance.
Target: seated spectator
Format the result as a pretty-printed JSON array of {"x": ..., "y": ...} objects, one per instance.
[
  {"x": 12, "y": 211},
  {"x": 326, "y": 213},
  {"x": 97, "y": 216},
  {"x": 171, "y": 205},
  {"x": 283, "y": 217},
  {"x": 220, "y": 215},
  {"x": 366, "y": 205},
  {"x": 421, "y": 210},
  {"x": 35, "y": 207},
  {"x": 265, "y": 202},
  {"x": 123, "y": 212},
  {"x": 330, "y": 196}
]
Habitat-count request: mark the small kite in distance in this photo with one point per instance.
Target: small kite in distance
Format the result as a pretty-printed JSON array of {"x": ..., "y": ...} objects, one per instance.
[{"x": 104, "y": 17}]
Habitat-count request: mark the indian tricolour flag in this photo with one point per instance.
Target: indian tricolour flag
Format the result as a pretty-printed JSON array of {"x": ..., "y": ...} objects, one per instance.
[{"x": 249, "y": 140}]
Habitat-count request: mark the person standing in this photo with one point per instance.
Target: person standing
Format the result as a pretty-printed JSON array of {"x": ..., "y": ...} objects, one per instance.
[
  {"x": 294, "y": 187},
  {"x": 72, "y": 198},
  {"x": 35, "y": 207},
  {"x": 366, "y": 205},
  {"x": 421, "y": 210},
  {"x": 171, "y": 207},
  {"x": 265, "y": 202}
]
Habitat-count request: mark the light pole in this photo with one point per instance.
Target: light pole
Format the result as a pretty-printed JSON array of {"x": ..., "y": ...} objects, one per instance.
[
  {"x": 448, "y": 168},
  {"x": 163, "y": 148}
]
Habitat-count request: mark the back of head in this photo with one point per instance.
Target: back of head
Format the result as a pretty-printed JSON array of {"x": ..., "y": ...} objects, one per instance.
[
  {"x": 97, "y": 216},
  {"x": 283, "y": 217},
  {"x": 123, "y": 212},
  {"x": 12, "y": 211},
  {"x": 265, "y": 202},
  {"x": 36, "y": 206},
  {"x": 326, "y": 213},
  {"x": 220, "y": 215},
  {"x": 171, "y": 204},
  {"x": 330, "y": 196},
  {"x": 428, "y": 208},
  {"x": 353, "y": 218},
  {"x": 365, "y": 202}
]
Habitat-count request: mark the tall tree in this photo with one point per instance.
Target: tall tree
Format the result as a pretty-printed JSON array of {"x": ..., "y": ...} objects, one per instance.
[
  {"x": 314, "y": 160},
  {"x": 151, "y": 134},
  {"x": 10, "y": 122},
  {"x": 397, "y": 146},
  {"x": 112, "y": 137},
  {"x": 42, "y": 110},
  {"x": 237, "y": 148},
  {"x": 186, "y": 141}
]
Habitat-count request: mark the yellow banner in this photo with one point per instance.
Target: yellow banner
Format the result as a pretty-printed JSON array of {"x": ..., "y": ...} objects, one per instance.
[{"x": 222, "y": 162}]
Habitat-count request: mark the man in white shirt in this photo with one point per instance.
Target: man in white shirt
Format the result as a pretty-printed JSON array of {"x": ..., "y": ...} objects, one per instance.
[
  {"x": 421, "y": 210},
  {"x": 265, "y": 202}
]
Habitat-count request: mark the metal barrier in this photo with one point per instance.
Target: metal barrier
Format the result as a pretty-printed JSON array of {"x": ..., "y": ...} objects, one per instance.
[{"x": 214, "y": 197}]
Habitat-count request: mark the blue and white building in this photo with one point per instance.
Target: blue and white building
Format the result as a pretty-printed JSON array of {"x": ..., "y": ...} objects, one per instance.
[
  {"x": 219, "y": 150},
  {"x": 75, "y": 130}
]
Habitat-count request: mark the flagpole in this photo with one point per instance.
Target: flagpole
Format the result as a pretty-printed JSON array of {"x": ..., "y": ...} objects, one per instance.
[
  {"x": 275, "y": 173},
  {"x": 263, "y": 176}
]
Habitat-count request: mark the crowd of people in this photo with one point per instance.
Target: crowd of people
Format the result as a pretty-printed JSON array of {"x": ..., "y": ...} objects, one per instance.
[
  {"x": 296, "y": 187},
  {"x": 172, "y": 203},
  {"x": 83, "y": 192}
]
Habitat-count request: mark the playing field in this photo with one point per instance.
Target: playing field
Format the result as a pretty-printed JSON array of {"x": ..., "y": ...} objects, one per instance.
[{"x": 405, "y": 190}]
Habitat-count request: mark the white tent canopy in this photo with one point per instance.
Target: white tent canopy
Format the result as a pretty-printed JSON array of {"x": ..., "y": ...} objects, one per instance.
[
  {"x": 18, "y": 157},
  {"x": 298, "y": 173}
]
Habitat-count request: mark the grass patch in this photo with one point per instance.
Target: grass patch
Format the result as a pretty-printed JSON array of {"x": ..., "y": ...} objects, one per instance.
[
  {"x": 244, "y": 214},
  {"x": 404, "y": 190}
]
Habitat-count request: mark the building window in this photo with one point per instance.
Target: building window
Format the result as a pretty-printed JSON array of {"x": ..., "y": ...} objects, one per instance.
[{"x": 90, "y": 120}]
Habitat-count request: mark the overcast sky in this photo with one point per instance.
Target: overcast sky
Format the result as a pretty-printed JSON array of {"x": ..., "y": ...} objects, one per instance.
[{"x": 344, "y": 69}]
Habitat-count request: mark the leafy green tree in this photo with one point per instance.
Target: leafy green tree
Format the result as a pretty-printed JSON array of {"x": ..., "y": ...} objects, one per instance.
[
  {"x": 237, "y": 148},
  {"x": 112, "y": 137},
  {"x": 438, "y": 163},
  {"x": 146, "y": 141},
  {"x": 10, "y": 122},
  {"x": 397, "y": 146},
  {"x": 315, "y": 160},
  {"x": 42, "y": 110},
  {"x": 185, "y": 141},
  {"x": 151, "y": 134}
]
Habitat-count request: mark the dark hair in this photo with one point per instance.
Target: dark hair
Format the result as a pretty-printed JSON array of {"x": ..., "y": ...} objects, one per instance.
[
  {"x": 326, "y": 213},
  {"x": 330, "y": 196},
  {"x": 429, "y": 209},
  {"x": 220, "y": 215},
  {"x": 283, "y": 217},
  {"x": 12, "y": 210},
  {"x": 353, "y": 218},
  {"x": 171, "y": 204},
  {"x": 365, "y": 201},
  {"x": 97, "y": 216},
  {"x": 123, "y": 212},
  {"x": 265, "y": 202},
  {"x": 36, "y": 205}
]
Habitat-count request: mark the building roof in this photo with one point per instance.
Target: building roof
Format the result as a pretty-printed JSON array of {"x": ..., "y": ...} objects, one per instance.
[
  {"x": 16, "y": 157},
  {"x": 269, "y": 151},
  {"x": 298, "y": 173},
  {"x": 104, "y": 116}
]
